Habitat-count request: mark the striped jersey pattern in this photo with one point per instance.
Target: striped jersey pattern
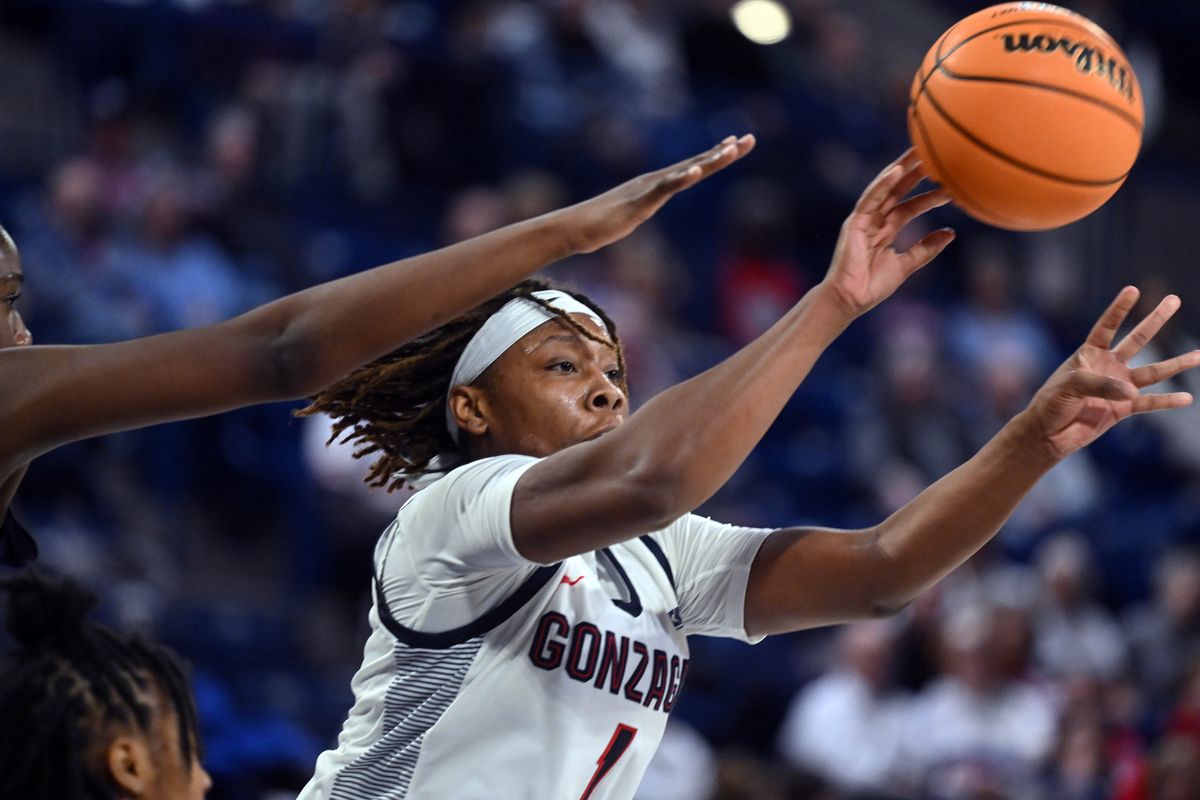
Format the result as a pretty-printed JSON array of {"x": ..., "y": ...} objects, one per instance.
[{"x": 425, "y": 683}]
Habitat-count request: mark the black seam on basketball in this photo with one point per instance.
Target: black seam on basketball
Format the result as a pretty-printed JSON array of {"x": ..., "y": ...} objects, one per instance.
[
  {"x": 938, "y": 63},
  {"x": 982, "y": 145},
  {"x": 1120, "y": 112},
  {"x": 960, "y": 194},
  {"x": 937, "y": 55}
]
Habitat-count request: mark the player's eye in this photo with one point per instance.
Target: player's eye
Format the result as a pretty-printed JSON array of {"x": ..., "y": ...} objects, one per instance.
[
  {"x": 615, "y": 375},
  {"x": 562, "y": 366}
]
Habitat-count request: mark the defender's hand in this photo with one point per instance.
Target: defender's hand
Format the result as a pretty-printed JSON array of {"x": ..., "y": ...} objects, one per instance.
[{"x": 615, "y": 214}]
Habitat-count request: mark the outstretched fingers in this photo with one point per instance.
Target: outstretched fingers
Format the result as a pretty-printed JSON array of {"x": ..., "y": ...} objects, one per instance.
[
  {"x": 1146, "y": 403},
  {"x": 912, "y": 208},
  {"x": 1105, "y": 329},
  {"x": 926, "y": 250},
  {"x": 690, "y": 171},
  {"x": 877, "y": 195},
  {"x": 1147, "y": 329},
  {"x": 1150, "y": 374}
]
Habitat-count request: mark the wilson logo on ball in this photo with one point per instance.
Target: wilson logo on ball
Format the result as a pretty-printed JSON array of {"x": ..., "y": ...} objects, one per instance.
[{"x": 1088, "y": 60}]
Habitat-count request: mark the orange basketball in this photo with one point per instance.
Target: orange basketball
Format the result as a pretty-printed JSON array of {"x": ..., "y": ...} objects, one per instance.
[{"x": 1029, "y": 114}]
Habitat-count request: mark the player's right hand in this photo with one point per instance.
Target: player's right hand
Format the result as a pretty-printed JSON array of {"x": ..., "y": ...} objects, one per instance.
[{"x": 866, "y": 268}]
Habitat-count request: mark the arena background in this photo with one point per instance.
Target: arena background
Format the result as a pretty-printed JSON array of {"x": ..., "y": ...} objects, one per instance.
[{"x": 168, "y": 163}]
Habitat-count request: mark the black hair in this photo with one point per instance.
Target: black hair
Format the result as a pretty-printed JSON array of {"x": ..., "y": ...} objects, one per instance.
[
  {"x": 395, "y": 406},
  {"x": 67, "y": 683}
]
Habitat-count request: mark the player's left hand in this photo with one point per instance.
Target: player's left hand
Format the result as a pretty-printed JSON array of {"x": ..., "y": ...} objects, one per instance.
[
  {"x": 866, "y": 268},
  {"x": 1096, "y": 388}
]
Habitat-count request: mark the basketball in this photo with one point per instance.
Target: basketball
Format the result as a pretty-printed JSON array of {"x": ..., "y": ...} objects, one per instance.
[{"x": 1029, "y": 114}]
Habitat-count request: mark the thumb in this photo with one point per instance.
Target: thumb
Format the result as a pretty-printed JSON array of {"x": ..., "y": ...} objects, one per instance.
[{"x": 1091, "y": 384}]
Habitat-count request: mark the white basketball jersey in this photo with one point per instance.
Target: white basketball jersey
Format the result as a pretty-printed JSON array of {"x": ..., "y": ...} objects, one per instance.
[{"x": 487, "y": 676}]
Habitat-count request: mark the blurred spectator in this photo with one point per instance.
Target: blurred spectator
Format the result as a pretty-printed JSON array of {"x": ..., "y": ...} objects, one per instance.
[
  {"x": 186, "y": 277},
  {"x": 974, "y": 727},
  {"x": 759, "y": 280},
  {"x": 79, "y": 292},
  {"x": 1164, "y": 634},
  {"x": 848, "y": 726},
  {"x": 1175, "y": 770},
  {"x": 1074, "y": 635}
]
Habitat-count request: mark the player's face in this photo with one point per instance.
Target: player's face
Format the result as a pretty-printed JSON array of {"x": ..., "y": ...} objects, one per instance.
[
  {"x": 552, "y": 389},
  {"x": 150, "y": 765},
  {"x": 12, "y": 327},
  {"x": 175, "y": 778}
]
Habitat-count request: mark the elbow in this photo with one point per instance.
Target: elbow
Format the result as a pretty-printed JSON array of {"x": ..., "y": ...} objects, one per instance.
[
  {"x": 884, "y": 598},
  {"x": 885, "y": 608},
  {"x": 290, "y": 367},
  {"x": 653, "y": 497}
]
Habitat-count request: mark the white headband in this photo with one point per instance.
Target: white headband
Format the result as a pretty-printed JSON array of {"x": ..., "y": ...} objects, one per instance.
[{"x": 501, "y": 331}]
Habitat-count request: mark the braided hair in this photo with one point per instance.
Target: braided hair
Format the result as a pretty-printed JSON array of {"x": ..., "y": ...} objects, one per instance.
[
  {"x": 68, "y": 683},
  {"x": 395, "y": 406}
]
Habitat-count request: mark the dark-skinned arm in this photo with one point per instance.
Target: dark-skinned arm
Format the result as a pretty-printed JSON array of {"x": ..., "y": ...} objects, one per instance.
[
  {"x": 803, "y": 578},
  {"x": 683, "y": 445},
  {"x": 299, "y": 344}
]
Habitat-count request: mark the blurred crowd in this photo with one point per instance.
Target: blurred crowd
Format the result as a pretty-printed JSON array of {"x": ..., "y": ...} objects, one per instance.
[{"x": 170, "y": 163}]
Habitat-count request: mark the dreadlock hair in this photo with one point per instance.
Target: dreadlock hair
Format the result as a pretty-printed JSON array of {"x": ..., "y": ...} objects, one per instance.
[
  {"x": 67, "y": 683},
  {"x": 395, "y": 406}
]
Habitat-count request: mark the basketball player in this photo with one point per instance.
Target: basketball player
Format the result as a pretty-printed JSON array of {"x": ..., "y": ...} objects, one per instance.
[
  {"x": 532, "y": 604},
  {"x": 89, "y": 713},
  {"x": 289, "y": 348}
]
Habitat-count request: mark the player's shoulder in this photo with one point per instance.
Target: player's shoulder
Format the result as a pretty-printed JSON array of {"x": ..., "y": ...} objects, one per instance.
[{"x": 470, "y": 479}]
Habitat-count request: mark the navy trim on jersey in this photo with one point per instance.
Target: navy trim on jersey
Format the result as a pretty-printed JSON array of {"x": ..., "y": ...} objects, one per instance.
[
  {"x": 447, "y": 639},
  {"x": 17, "y": 547},
  {"x": 661, "y": 557}
]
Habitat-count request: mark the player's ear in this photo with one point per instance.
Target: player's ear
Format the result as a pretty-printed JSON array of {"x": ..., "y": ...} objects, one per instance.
[
  {"x": 468, "y": 407},
  {"x": 129, "y": 765}
]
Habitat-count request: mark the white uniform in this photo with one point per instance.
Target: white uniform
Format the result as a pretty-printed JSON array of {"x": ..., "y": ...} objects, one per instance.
[{"x": 489, "y": 676}]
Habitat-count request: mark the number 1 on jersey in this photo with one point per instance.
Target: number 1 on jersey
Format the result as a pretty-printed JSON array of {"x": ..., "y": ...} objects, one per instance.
[{"x": 621, "y": 739}]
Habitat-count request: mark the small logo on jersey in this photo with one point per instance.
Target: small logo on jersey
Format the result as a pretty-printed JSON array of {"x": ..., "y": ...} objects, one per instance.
[
  {"x": 675, "y": 617},
  {"x": 569, "y": 582}
]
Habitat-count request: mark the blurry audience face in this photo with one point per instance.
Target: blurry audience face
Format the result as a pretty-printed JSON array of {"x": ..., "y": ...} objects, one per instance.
[
  {"x": 866, "y": 649},
  {"x": 473, "y": 212},
  {"x": 969, "y": 649},
  {"x": 233, "y": 146},
  {"x": 911, "y": 366},
  {"x": 990, "y": 281},
  {"x": 77, "y": 198},
  {"x": 1175, "y": 770},
  {"x": 165, "y": 218},
  {"x": 12, "y": 328},
  {"x": 1064, "y": 564},
  {"x": 1012, "y": 637},
  {"x": 1179, "y": 589}
]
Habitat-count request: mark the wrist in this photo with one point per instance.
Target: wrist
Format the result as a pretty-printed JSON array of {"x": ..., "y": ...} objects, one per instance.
[
  {"x": 829, "y": 299},
  {"x": 1027, "y": 438}
]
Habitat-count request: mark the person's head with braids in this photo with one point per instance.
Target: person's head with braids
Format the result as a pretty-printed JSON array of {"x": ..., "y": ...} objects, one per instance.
[
  {"x": 530, "y": 372},
  {"x": 88, "y": 712}
]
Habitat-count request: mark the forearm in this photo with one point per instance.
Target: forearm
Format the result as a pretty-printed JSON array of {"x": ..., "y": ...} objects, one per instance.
[
  {"x": 677, "y": 450},
  {"x": 953, "y": 518},
  {"x": 698, "y": 433},
  {"x": 320, "y": 334}
]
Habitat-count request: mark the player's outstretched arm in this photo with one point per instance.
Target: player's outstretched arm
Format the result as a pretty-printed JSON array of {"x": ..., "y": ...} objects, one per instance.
[
  {"x": 297, "y": 345},
  {"x": 805, "y": 578},
  {"x": 683, "y": 445}
]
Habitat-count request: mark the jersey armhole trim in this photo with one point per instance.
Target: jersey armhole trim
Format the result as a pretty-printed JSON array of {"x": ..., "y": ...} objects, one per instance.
[
  {"x": 444, "y": 640},
  {"x": 17, "y": 546},
  {"x": 657, "y": 551}
]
